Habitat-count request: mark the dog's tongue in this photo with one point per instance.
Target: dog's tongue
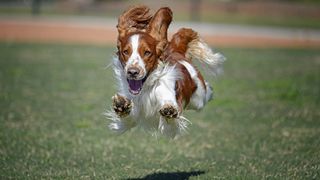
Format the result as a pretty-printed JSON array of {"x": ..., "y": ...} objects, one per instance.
[{"x": 135, "y": 85}]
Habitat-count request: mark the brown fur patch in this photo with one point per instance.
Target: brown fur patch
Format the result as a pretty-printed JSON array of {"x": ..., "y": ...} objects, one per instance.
[
  {"x": 175, "y": 52},
  {"x": 146, "y": 49}
]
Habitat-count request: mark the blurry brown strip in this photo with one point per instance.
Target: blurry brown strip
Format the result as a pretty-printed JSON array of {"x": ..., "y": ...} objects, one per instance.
[{"x": 64, "y": 33}]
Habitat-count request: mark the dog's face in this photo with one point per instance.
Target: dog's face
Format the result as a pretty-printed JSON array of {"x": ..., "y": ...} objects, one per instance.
[
  {"x": 141, "y": 40},
  {"x": 138, "y": 56}
]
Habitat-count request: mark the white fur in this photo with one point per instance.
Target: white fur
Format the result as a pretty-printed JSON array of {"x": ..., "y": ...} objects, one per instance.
[
  {"x": 212, "y": 62},
  {"x": 158, "y": 89},
  {"x": 119, "y": 125},
  {"x": 174, "y": 127},
  {"x": 198, "y": 98},
  {"x": 135, "y": 58}
]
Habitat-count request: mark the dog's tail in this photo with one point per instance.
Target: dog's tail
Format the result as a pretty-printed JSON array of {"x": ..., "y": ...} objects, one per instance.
[{"x": 187, "y": 42}]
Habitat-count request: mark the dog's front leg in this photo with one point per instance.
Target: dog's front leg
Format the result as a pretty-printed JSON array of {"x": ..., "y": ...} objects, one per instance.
[
  {"x": 121, "y": 120},
  {"x": 171, "y": 123},
  {"x": 166, "y": 97},
  {"x": 121, "y": 105}
]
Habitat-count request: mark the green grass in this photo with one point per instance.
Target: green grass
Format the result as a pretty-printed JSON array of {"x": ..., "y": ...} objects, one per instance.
[{"x": 264, "y": 121}]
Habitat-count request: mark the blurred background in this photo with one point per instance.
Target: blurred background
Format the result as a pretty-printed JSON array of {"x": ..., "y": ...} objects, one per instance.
[
  {"x": 221, "y": 22},
  {"x": 55, "y": 84}
]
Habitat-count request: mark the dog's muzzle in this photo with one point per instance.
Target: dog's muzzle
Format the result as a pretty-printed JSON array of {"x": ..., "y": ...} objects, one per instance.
[
  {"x": 133, "y": 73},
  {"x": 135, "y": 78}
]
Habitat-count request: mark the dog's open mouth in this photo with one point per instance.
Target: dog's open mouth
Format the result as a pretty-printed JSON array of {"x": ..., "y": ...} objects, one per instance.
[{"x": 135, "y": 86}]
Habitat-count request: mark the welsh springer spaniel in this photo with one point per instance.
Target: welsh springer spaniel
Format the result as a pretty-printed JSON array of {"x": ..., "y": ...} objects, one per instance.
[{"x": 157, "y": 79}]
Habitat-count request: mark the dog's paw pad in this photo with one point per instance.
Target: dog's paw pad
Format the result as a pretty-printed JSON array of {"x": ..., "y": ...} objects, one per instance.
[
  {"x": 169, "y": 111},
  {"x": 121, "y": 105}
]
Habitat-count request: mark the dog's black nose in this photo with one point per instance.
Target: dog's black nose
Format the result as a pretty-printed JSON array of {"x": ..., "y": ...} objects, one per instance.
[{"x": 133, "y": 72}]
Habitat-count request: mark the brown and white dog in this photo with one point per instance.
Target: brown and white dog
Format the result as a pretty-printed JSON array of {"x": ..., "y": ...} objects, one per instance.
[{"x": 157, "y": 79}]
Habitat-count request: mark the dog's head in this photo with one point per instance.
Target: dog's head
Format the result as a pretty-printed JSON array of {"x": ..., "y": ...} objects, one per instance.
[{"x": 141, "y": 41}]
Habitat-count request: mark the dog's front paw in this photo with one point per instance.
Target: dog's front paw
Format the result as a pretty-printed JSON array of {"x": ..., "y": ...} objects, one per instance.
[
  {"x": 168, "y": 111},
  {"x": 121, "y": 105}
]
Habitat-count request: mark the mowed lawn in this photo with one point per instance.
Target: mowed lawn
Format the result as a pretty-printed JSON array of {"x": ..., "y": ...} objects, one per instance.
[{"x": 264, "y": 121}]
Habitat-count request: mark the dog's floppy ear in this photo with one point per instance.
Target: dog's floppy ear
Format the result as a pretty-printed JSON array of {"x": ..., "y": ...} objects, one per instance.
[
  {"x": 134, "y": 19},
  {"x": 158, "y": 27}
]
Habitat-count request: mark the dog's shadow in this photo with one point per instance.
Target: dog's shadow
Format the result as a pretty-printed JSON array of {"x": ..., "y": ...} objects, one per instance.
[{"x": 169, "y": 175}]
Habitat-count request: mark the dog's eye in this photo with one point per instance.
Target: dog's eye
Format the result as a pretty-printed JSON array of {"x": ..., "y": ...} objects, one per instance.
[
  {"x": 125, "y": 52},
  {"x": 147, "y": 53}
]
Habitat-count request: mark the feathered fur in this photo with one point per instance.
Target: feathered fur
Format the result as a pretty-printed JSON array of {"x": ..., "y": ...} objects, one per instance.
[
  {"x": 134, "y": 19},
  {"x": 145, "y": 110},
  {"x": 172, "y": 84}
]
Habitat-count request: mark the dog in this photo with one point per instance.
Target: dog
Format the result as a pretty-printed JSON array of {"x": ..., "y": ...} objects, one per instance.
[{"x": 157, "y": 79}]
